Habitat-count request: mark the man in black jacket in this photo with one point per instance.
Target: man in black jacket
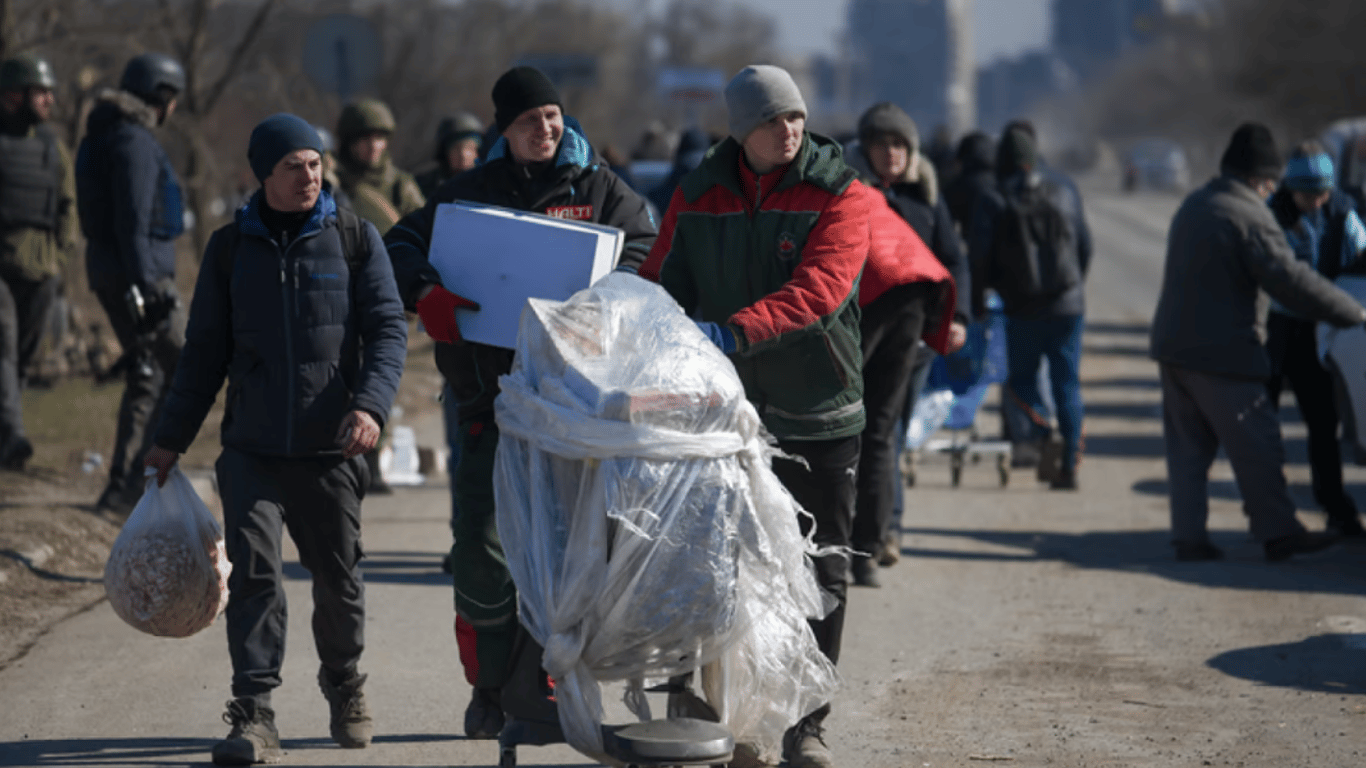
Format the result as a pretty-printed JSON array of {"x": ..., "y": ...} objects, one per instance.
[
  {"x": 976, "y": 176},
  {"x": 1036, "y": 216},
  {"x": 295, "y": 305},
  {"x": 542, "y": 163},
  {"x": 130, "y": 209}
]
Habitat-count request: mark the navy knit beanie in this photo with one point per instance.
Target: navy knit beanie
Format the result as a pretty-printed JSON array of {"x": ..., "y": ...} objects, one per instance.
[
  {"x": 520, "y": 89},
  {"x": 1252, "y": 153},
  {"x": 277, "y": 136}
]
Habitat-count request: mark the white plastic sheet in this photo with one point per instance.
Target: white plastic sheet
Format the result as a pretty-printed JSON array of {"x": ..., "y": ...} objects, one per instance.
[
  {"x": 642, "y": 524},
  {"x": 167, "y": 573}
]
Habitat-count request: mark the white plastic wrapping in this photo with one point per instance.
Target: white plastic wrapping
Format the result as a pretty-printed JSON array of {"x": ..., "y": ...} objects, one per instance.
[
  {"x": 167, "y": 573},
  {"x": 642, "y": 524}
]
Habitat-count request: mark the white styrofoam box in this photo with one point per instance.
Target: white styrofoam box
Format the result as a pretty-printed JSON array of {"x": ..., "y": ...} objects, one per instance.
[{"x": 500, "y": 258}]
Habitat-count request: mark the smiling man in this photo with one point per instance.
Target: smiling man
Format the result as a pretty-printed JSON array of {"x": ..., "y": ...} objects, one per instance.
[
  {"x": 765, "y": 242},
  {"x": 542, "y": 163},
  {"x": 296, "y": 307}
]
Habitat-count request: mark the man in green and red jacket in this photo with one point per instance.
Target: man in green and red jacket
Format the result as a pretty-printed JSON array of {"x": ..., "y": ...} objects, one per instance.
[{"x": 765, "y": 243}]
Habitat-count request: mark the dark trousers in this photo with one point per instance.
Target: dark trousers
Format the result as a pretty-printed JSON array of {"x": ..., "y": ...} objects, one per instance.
[
  {"x": 318, "y": 501},
  {"x": 485, "y": 597},
  {"x": 153, "y": 356},
  {"x": 826, "y": 488},
  {"x": 1202, "y": 411},
  {"x": 891, "y": 328},
  {"x": 24, "y": 309},
  {"x": 1058, "y": 339},
  {"x": 1293, "y": 347}
]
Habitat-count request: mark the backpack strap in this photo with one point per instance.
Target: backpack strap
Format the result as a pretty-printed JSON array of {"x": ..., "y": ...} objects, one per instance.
[
  {"x": 231, "y": 236},
  {"x": 355, "y": 246}
]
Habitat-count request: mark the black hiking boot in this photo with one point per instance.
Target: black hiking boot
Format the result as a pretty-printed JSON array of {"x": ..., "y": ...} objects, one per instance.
[
  {"x": 484, "y": 715},
  {"x": 253, "y": 738},
  {"x": 350, "y": 721}
]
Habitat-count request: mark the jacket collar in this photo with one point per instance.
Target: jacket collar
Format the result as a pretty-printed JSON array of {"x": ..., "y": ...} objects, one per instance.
[
  {"x": 820, "y": 161},
  {"x": 249, "y": 216},
  {"x": 574, "y": 151},
  {"x": 132, "y": 107}
]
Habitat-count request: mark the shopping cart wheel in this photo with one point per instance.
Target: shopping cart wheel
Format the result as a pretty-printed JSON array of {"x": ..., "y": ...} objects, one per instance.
[
  {"x": 507, "y": 757},
  {"x": 956, "y": 469},
  {"x": 1003, "y": 469}
]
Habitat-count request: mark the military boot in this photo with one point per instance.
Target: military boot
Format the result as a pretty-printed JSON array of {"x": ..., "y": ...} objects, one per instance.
[
  {"x": 804, "y": 743},
  {"x": 350, "y": 722},
  {"x": 253, "y": 738}
]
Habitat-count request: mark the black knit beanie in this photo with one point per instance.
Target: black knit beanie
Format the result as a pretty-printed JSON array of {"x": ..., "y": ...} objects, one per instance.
[
  {"x": 520, "y": 89},
  {"x": 1252, "y": 153},
  {"x": 1015, "y": 154},
  {"x": 277, "y": 136}
]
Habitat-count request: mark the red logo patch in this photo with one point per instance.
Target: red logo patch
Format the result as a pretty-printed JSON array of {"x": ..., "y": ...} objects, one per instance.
[
  {"x": 787, "y": 247},
  {"x": 571, "y": 212}
]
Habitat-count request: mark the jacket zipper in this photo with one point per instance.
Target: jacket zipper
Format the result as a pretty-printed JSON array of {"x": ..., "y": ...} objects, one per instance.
[{"x": 289, "y": 350}]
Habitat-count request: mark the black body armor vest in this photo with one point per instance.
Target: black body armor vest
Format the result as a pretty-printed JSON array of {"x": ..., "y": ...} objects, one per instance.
[{"x": 30, "y": 180}]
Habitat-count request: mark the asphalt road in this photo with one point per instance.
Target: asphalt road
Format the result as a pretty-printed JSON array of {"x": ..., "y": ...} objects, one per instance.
[{"x": 1022, "y": 626}]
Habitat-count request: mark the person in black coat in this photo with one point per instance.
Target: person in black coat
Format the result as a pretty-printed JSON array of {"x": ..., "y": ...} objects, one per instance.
[
  {"x": 889, "y": 144},
  {"x": 129, "y": 203},
  {"x": 976, "y": 161},
  {"x": 542, "y": 163},
  {"x": 296, "y": 307}
]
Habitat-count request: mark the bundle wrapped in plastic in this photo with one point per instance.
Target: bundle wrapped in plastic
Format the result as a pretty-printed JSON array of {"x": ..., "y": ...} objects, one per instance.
[
  {"x": 643, "y": 526},
  {"x": 167, "y": 573}
]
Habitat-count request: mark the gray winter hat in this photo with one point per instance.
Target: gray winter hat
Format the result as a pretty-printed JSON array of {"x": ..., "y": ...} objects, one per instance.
[
  {"x": 886, "y": 117},
  {"x": 757, "y": 94}
]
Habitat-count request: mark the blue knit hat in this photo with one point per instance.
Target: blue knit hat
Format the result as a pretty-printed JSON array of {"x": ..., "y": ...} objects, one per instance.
[
  {"x": 1309, "y": 173},
  {"x": 277, "y": 136}
]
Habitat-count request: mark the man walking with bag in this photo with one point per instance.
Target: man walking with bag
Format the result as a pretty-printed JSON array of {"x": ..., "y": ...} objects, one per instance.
[{"x": 296, "y": 307}]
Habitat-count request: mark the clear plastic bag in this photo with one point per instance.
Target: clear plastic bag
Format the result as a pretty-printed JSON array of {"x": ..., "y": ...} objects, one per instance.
[
  {"x": 930, "y": 412},
  {"x": 642, "y": 524},
  {"x": 167, "y": 573}
]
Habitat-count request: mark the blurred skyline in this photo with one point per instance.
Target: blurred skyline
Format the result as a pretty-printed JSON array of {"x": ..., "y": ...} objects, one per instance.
[{"x": 1004, "y": 28}]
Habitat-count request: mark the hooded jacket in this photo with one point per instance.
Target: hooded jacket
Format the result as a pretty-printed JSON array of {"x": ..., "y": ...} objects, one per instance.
[
  {"x": 576, "y": 185},
  {"x": 1224, "y": 246},
  {"x": 300, "y": 339},
  {"x": 783, "y": 275},
  {"x": 976, "y": 176},
  {"x": 127, "y": 194}
]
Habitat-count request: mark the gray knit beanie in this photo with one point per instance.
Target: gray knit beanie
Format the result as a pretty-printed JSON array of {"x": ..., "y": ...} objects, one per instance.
[
  {"x": 886, "y": 117},
  {"x": 757, "y": 94}
]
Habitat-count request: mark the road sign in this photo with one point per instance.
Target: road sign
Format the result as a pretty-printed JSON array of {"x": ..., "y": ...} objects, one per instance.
[
  {"x": 691, "y": 84},
  {"x": 342, "y": 53},
  {"x": 569, "y": 70}
]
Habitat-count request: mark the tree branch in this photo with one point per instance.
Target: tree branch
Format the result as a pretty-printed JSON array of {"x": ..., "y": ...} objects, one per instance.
[{"x": 235, "y": 60}]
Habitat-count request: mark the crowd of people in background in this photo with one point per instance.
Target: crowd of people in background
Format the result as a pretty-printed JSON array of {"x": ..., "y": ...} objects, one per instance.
[{"x": 868, "y": 258}]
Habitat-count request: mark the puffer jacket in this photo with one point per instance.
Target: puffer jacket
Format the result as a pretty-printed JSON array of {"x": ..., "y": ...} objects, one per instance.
[
  {"x": 576, "y": 185},
  {"x": 782, "y": 274},
  {"x": 301, "y": 340},
  {"x": 1223, "y": 248},
  {"x": 127, "y": 194}
]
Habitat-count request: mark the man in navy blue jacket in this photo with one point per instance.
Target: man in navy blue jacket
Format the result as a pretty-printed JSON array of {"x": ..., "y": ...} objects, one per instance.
[
  {"x": 130, "y": 209},
  {"x": 297, "y": 308}
]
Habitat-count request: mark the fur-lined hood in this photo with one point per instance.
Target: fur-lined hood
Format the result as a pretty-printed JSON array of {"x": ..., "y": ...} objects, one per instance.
[{"x": 112, "y": 105}]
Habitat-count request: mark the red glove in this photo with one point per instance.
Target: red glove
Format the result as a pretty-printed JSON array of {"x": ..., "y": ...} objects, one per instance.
[{"x": 437, "y": 310}]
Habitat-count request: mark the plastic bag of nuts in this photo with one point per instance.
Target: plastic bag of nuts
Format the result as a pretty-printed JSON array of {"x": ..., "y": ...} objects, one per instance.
[{"x": 167, "y": 573}]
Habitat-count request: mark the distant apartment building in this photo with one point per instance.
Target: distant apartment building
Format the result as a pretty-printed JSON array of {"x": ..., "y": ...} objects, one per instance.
[
  {"x": 1090, "y": 34},
  {"x": 900, "y": 53}
]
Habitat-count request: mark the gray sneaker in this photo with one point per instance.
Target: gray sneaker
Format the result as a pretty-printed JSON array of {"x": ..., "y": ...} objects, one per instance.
[
  {"x": 253, "y": 738},
  {"x": 350, "y": 721},
  {"x": 804, "y": 746}
]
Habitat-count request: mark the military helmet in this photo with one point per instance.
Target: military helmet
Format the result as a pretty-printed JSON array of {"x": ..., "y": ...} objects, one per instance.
[
  {"x": 145, "y": 75},
  {"x": 363, "y": 117},
  {"x": 26, "y": 71},
  {"x": 452, "y": 129}
]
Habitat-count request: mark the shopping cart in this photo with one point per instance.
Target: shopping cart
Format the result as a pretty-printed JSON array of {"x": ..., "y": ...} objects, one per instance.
[{"x": 957, "y": 386}]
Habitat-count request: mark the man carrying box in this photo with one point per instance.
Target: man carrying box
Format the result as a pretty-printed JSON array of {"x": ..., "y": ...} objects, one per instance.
[
  {"x": 766, "y": 241},
  {"x": 542, "y": 163}
]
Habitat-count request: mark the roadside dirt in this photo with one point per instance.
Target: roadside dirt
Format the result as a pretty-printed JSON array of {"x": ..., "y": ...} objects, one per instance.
[{"x": 53, "y": 545}]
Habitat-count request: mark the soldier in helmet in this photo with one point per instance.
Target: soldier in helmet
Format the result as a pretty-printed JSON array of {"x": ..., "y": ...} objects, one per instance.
[
  {"x": 458, "y": 141},
  {"x": 380, "y": 193},
  {"x": 37, "y": 228},
  {"x": 129, "y": 202}
]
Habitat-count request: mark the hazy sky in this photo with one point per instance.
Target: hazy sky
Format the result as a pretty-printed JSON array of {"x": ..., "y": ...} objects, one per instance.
[{"x": 1004, "y": 27}]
